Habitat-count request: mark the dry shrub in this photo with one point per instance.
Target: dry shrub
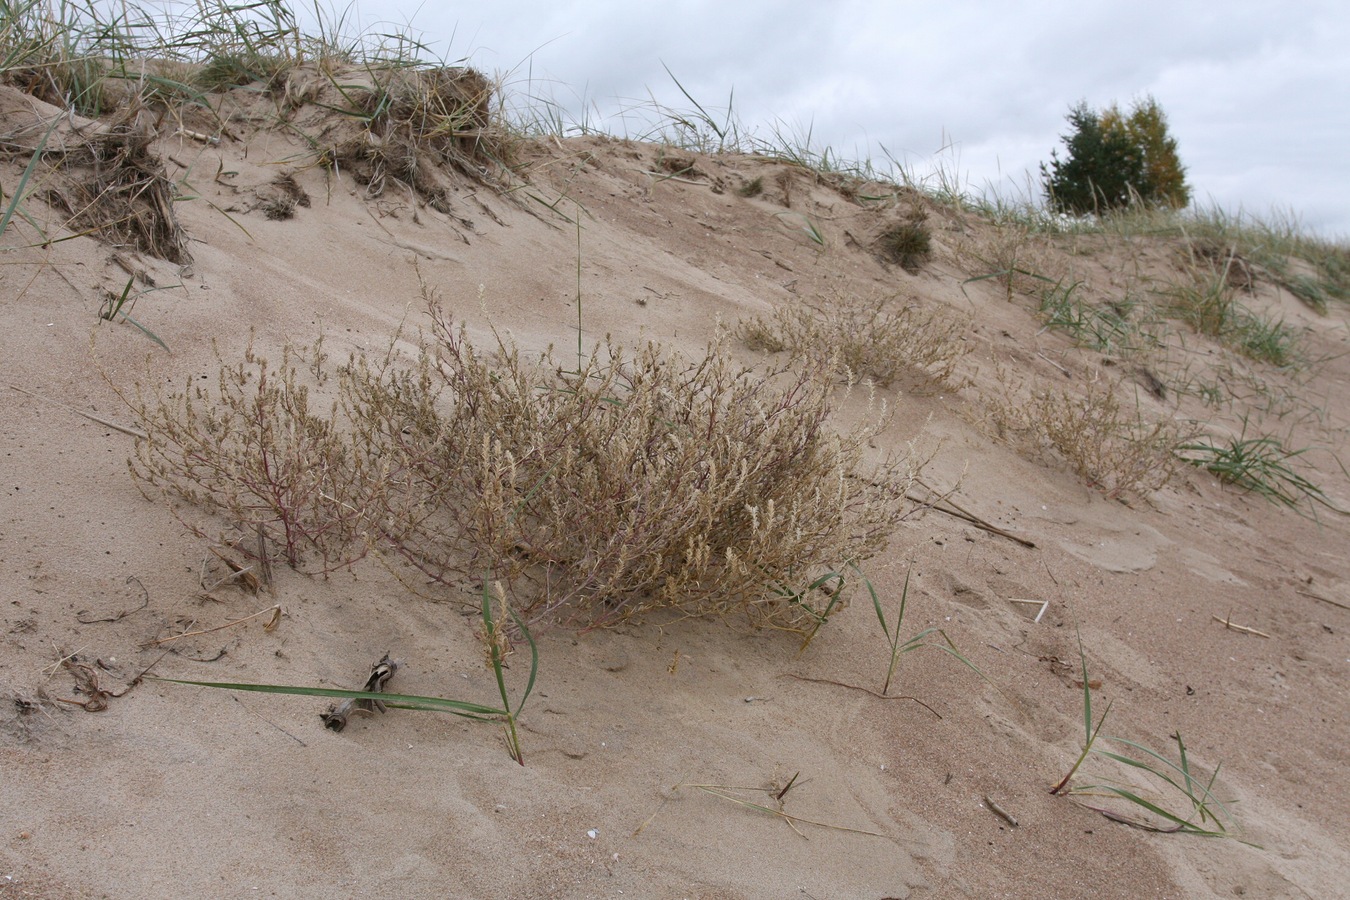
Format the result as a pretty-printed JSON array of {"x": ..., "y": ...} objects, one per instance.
[
  {"x": 641, "y": 481},
  {"x": 881, "y": 337},
  {"x": 257, "y": 453},
  {"x": 1114, "y": 449}
]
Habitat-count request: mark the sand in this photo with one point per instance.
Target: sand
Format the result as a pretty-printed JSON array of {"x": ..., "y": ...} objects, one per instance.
[{"x": 174, "y": 791}]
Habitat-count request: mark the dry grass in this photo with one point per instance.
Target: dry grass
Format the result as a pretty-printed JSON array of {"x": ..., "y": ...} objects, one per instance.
[
  {"x": 396, "y": 126},
  {"x": 368, "y": 105},
  {"x": 1114, "y": 448},
  {"x": 882, "y": 337},
  {"x": 640, "y": 481},
  {"x": 103, "y": 177}
]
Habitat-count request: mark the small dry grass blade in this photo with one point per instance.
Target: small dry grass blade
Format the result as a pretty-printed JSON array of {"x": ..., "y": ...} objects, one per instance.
[{"x": 723, "y": 792}]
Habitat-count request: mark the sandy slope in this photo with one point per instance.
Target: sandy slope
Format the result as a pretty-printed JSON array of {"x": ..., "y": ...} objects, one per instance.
[{"x": 175, "y": 791}]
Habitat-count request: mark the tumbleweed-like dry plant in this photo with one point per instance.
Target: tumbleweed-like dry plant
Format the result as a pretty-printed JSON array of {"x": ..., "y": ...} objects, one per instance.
[
  {"x": 635, "y": 481},
  {"x": 882, "y": 337},
  {"x": 1114, "y": 449}
]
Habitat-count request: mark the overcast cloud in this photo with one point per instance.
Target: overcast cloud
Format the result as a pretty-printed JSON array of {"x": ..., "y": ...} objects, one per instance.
[{"x": 1257, "y": 95}]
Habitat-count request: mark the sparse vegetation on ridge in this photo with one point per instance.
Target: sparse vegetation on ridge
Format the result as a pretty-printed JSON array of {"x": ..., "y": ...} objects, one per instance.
[{"x": 638, "y": 480}]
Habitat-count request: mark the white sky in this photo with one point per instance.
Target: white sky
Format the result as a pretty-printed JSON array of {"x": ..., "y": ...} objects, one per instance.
[{"x": 1257, "y": 94}]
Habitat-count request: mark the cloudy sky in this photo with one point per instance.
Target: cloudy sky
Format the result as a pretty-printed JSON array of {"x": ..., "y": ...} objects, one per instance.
[{"x": 1256, "y": 94}]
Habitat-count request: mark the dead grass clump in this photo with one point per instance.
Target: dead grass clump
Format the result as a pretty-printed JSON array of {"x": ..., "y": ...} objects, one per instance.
[
  {"x": 639, "y": 481},
  {"x": 881, "y": 337},
  {"x": 279, "y": 200},
  {"x": 1113, "y": 448},
  {"x": 399, "y": 124},
  {"x": 110, "y": 183},
  {"x": 908, "y": 243}
]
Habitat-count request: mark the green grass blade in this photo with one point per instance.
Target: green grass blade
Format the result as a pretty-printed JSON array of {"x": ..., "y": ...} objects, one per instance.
[
  {"x": 398, "y": 701},
  {"x": 1183, "y": 825},
  {"x": 1087, "y": 693},
  {"x": 20, "y": 191},
  {"x": 146, "y": 331},
  {"x": 894, "y": 639},
  {"x": 720, "y": 132},
  {"x": 1190, "y": 787},
  {"x": 534, "y": 661}
]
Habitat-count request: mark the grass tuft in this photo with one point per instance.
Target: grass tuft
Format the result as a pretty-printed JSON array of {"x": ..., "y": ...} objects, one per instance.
[
  {"x": 908, "y": 243},
  {"x": 1257, "y": 464},
  {"x": 497, "y": 648},
  {"x": 1204, "y": 814},
  {"x": 1108, "y": 328}
]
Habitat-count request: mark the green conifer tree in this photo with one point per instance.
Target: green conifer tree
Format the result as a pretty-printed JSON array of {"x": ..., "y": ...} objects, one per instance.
[{"x": 1113, "y": 161}]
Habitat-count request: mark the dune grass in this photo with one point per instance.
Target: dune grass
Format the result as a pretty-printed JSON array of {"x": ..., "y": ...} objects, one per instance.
[
  {"x": 1202, "y": 813},
  {"x": 1261, "y": 465},
  {"x": 917, "y": 641}
]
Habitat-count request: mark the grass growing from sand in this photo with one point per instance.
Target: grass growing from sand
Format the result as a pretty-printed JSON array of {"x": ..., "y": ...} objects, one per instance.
[
  {"x": 916, "y": 642},
  {"x": 1205, "y": 814},
  {"x": 498, "y": 646},
  {"x": 1261, "y": 465}
]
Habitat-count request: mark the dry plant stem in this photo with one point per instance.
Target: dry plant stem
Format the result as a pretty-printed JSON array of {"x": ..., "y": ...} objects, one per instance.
[
  {"x": 1228, "y": 623},
  {"x": 335, "y": 718},
  {"x": 1335, "y": 603},
  {"x": 134, "y": 432},
  {"x": 239, "y": 573},
  {"x": 1000, "y": 811},
  {"x": 86, "y": 679},
  {"x": 122, "y": 614},
  {"x": 274, "y": 618},
  {"x": 960, "y": 512},
  {"x": 660, "y": 806},
  {"x": 1043, "y": 604},
  {"x": 854, "y": 687},
  {"x": 720, "y": 791}
]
